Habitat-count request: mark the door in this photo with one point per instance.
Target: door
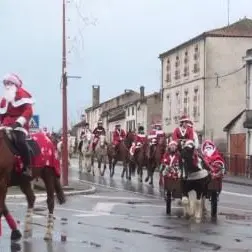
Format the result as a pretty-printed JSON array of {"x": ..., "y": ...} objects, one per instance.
[{"x": 238, "y": 154}]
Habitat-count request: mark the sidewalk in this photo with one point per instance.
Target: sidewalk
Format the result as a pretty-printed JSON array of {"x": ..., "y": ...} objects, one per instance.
[{"x": 237, "y": 180}]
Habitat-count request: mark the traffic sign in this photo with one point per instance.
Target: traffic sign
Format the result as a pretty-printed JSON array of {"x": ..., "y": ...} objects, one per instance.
[{"x": 34, "y": 122}]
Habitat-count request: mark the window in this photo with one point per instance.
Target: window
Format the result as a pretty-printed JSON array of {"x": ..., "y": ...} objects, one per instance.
[
  {"x": 131, "y": 125},
  {"x": 186, "y": 64},
  {"x": 168, "y": 71},
  {"x": 168, "y": 119},
  {"x": 196, "y": 57},
  {"x": 196, "y": 104},
  {"x": 177, "y": 68},
  {"x": 132, "y": 110},
  {"x": 186, "y": 103},
  {"x": 128, "y": 111},
  {"x": 178, "y": 103}
]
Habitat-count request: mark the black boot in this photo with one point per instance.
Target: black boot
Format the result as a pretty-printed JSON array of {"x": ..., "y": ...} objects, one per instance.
[{"x": 24, "y": 153}]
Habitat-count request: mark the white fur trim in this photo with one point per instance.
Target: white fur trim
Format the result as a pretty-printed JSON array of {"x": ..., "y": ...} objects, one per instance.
[
  {"x": 141, "y": 135},
  {"x": 16, "y": 104},
  {"x": 197, "y": 175},
  {"x": 22, "y": 120}
]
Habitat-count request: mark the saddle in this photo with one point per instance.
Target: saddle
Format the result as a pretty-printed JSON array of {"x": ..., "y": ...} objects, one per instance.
[{"x": 11, "y": 141}]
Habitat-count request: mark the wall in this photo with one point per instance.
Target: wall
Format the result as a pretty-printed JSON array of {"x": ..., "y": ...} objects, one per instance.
[
  {"x": 225, "y": 98},
  {"x": 171, "y": 111}
]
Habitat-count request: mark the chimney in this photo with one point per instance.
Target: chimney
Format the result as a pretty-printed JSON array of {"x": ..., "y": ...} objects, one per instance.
[
  {"x": 142, "y": 92},
  {"x": 96, "y": 95}
]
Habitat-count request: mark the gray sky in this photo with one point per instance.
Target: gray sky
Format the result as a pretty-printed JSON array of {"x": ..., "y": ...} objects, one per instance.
[{"x": 116, "y": 45}]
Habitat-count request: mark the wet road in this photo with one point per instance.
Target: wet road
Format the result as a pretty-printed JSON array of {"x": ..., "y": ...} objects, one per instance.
[{"x": 129, "y": 216}]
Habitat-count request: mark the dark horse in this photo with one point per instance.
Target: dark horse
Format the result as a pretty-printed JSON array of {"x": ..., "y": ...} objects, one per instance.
[
  {"x": 121, "y": 154},
  {"x": 141, "y": 159},
  {"x": 155, "y": 153},
  {"x": 10, "y": 177},
  {"x": 195, "y": 176}
]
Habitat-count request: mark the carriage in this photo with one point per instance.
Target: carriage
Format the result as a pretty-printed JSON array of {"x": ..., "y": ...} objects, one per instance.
[{"x": 173, "y": 186}]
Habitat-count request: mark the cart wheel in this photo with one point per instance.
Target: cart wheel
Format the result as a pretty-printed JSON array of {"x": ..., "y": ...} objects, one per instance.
[
  {"x": 214, "y": 204},
  {"x": 168, "y": 202}
]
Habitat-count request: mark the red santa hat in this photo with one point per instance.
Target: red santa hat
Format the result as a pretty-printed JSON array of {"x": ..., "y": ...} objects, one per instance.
[
  {"x": 173, "y": 143},
  {"x": 13, "y": 78},
  {"x": 184, "y": 118},
  {"x": 208, "y": 144}
]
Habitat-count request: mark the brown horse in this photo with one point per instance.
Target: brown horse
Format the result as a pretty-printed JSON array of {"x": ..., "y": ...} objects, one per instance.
[
  {"x": 9, "y": 176},
  {"x": 155, "y": 153},
  {"x": 121, "y": 154},
  {"x": 141, "y": 159}
]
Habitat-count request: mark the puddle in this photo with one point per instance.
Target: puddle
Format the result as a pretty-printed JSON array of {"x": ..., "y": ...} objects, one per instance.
[
  {"x": 231, "y": 216},
  {"x": 213, "y": 246},
  {"x": 138, "y": 202}
]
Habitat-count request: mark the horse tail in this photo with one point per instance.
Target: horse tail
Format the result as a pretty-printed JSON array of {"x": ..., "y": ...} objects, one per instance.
[{"x": 59, "y": 190}]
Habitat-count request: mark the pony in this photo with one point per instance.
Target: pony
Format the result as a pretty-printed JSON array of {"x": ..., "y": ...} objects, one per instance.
[
  {"x": 195, "y": 177},
  {"x": 45, "y": 165},
  {"x": 101, "y": 154},
  {"x": 121, "y": 154},
  {"x": 154, "y": 155},
  {"x": 86, "y": 152}
]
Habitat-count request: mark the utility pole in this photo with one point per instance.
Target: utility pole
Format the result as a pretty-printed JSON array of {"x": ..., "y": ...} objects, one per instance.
[
  {"x": 228, "y": 11},
  {"x": 64, "y": 101}
]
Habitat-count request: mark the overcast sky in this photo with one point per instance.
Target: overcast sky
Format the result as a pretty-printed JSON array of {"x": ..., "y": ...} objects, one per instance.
[{"x": 113, "y": 43}]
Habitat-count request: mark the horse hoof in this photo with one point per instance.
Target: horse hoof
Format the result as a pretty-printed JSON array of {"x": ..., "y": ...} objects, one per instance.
[
  {"x": 129, "y": 178},
  {"x": 151, "y": 183},
  {"x": 16, "y": 235},
  {"x": 48, "y": 237},
  {"x": 185, "y": 201},
  {"x": 27, "y": 234},
  {"x": 146, "y": 180},
  {"x": 198, "y": 220}
]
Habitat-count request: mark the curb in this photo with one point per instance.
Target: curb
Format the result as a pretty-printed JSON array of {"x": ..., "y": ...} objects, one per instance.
[{"x": 92, "y": 190}]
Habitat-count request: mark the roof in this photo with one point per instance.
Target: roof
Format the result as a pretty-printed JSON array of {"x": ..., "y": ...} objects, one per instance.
[
  {"x": 241, "y": 28},
  {"x": 142, "y": 100},
  {"x": 233, "y": 121},
  {"x": 127, "y": 92}
]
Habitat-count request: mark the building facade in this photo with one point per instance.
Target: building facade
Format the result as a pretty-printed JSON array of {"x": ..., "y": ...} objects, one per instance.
[{"x": 205, "y": 78}]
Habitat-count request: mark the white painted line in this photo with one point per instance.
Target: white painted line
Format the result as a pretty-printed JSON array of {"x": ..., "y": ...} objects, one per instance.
[
  {"x": 237, "y": 194},
  {"x": 93, "y": 196}
]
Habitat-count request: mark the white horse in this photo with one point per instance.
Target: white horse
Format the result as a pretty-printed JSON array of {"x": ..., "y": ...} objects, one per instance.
[
  {"x": 60, "y": 149},
  {"x": 86, "y": 152},
  {"x": 101, "y": 154}
]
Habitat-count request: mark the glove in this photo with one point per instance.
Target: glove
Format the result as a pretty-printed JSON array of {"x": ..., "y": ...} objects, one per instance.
[{"x": 15, "y": 125}]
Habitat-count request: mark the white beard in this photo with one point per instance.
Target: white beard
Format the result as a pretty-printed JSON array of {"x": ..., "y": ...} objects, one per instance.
[{"x": 10, "y": 93}]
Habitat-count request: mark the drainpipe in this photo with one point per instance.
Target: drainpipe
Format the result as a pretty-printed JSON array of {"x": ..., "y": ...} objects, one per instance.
[{"x": 204, "y": 103}]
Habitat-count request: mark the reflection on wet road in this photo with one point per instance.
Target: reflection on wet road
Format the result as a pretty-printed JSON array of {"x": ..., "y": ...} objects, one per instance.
[{"x": 129, "y": 216}]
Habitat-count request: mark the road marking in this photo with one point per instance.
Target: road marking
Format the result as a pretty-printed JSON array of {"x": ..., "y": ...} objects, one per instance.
[
  {"x": 104, "y": 207},
  {"x": 237, "y": 194},
  {"x": 112, "y": 197}
]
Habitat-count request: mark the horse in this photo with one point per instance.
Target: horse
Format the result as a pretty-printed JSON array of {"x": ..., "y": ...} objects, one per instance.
[
  {"x": 195, "y": 177},
  {"x": 44, "y": 165},
  {"x": 154, "y": 154},
  {"x": 101, "y": 153},
  {"x": 140, "y": 159},
  {"x": 121, "y": 153},
  {"x": 86, "y": 152}
]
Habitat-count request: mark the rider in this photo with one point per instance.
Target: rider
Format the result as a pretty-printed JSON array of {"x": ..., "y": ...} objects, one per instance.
[
  {"x": 140, "y": 139},
  {"x": 85, "y": 130},
  {"x": 156, "y": 132},
  {"x": 212, "y": 157},
  {"x": 195, "y": 135},
  {"x": 99, "y": 130},
  {"x": 16, "y": 112},
  {"x": 183, "y": 132},
  {"x": 118, "y": 135},
  {"x": 170, "y": 160}
]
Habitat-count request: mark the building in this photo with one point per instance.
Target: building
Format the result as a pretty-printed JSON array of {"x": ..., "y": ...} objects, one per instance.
[
  {"x": 144, "y": 111},
  {"x": 205, "y": 78},
  {"x": 111, "y": 111}
]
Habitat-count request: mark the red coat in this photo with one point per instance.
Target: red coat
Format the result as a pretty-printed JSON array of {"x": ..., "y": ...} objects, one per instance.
[
  {"x": 170, "y": 160},
  {"x": 140, "y": 138},
  {"x": 118, "y": 136},
  {"x": 214, "y": 158},
  {"x": 99, "y": 131},
  {"x": 20, "y": 110},
  {"x": 180, "y": 133}
]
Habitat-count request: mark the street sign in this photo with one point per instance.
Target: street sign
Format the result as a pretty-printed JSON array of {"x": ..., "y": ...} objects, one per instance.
[{"x": 34, "y": 122}]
